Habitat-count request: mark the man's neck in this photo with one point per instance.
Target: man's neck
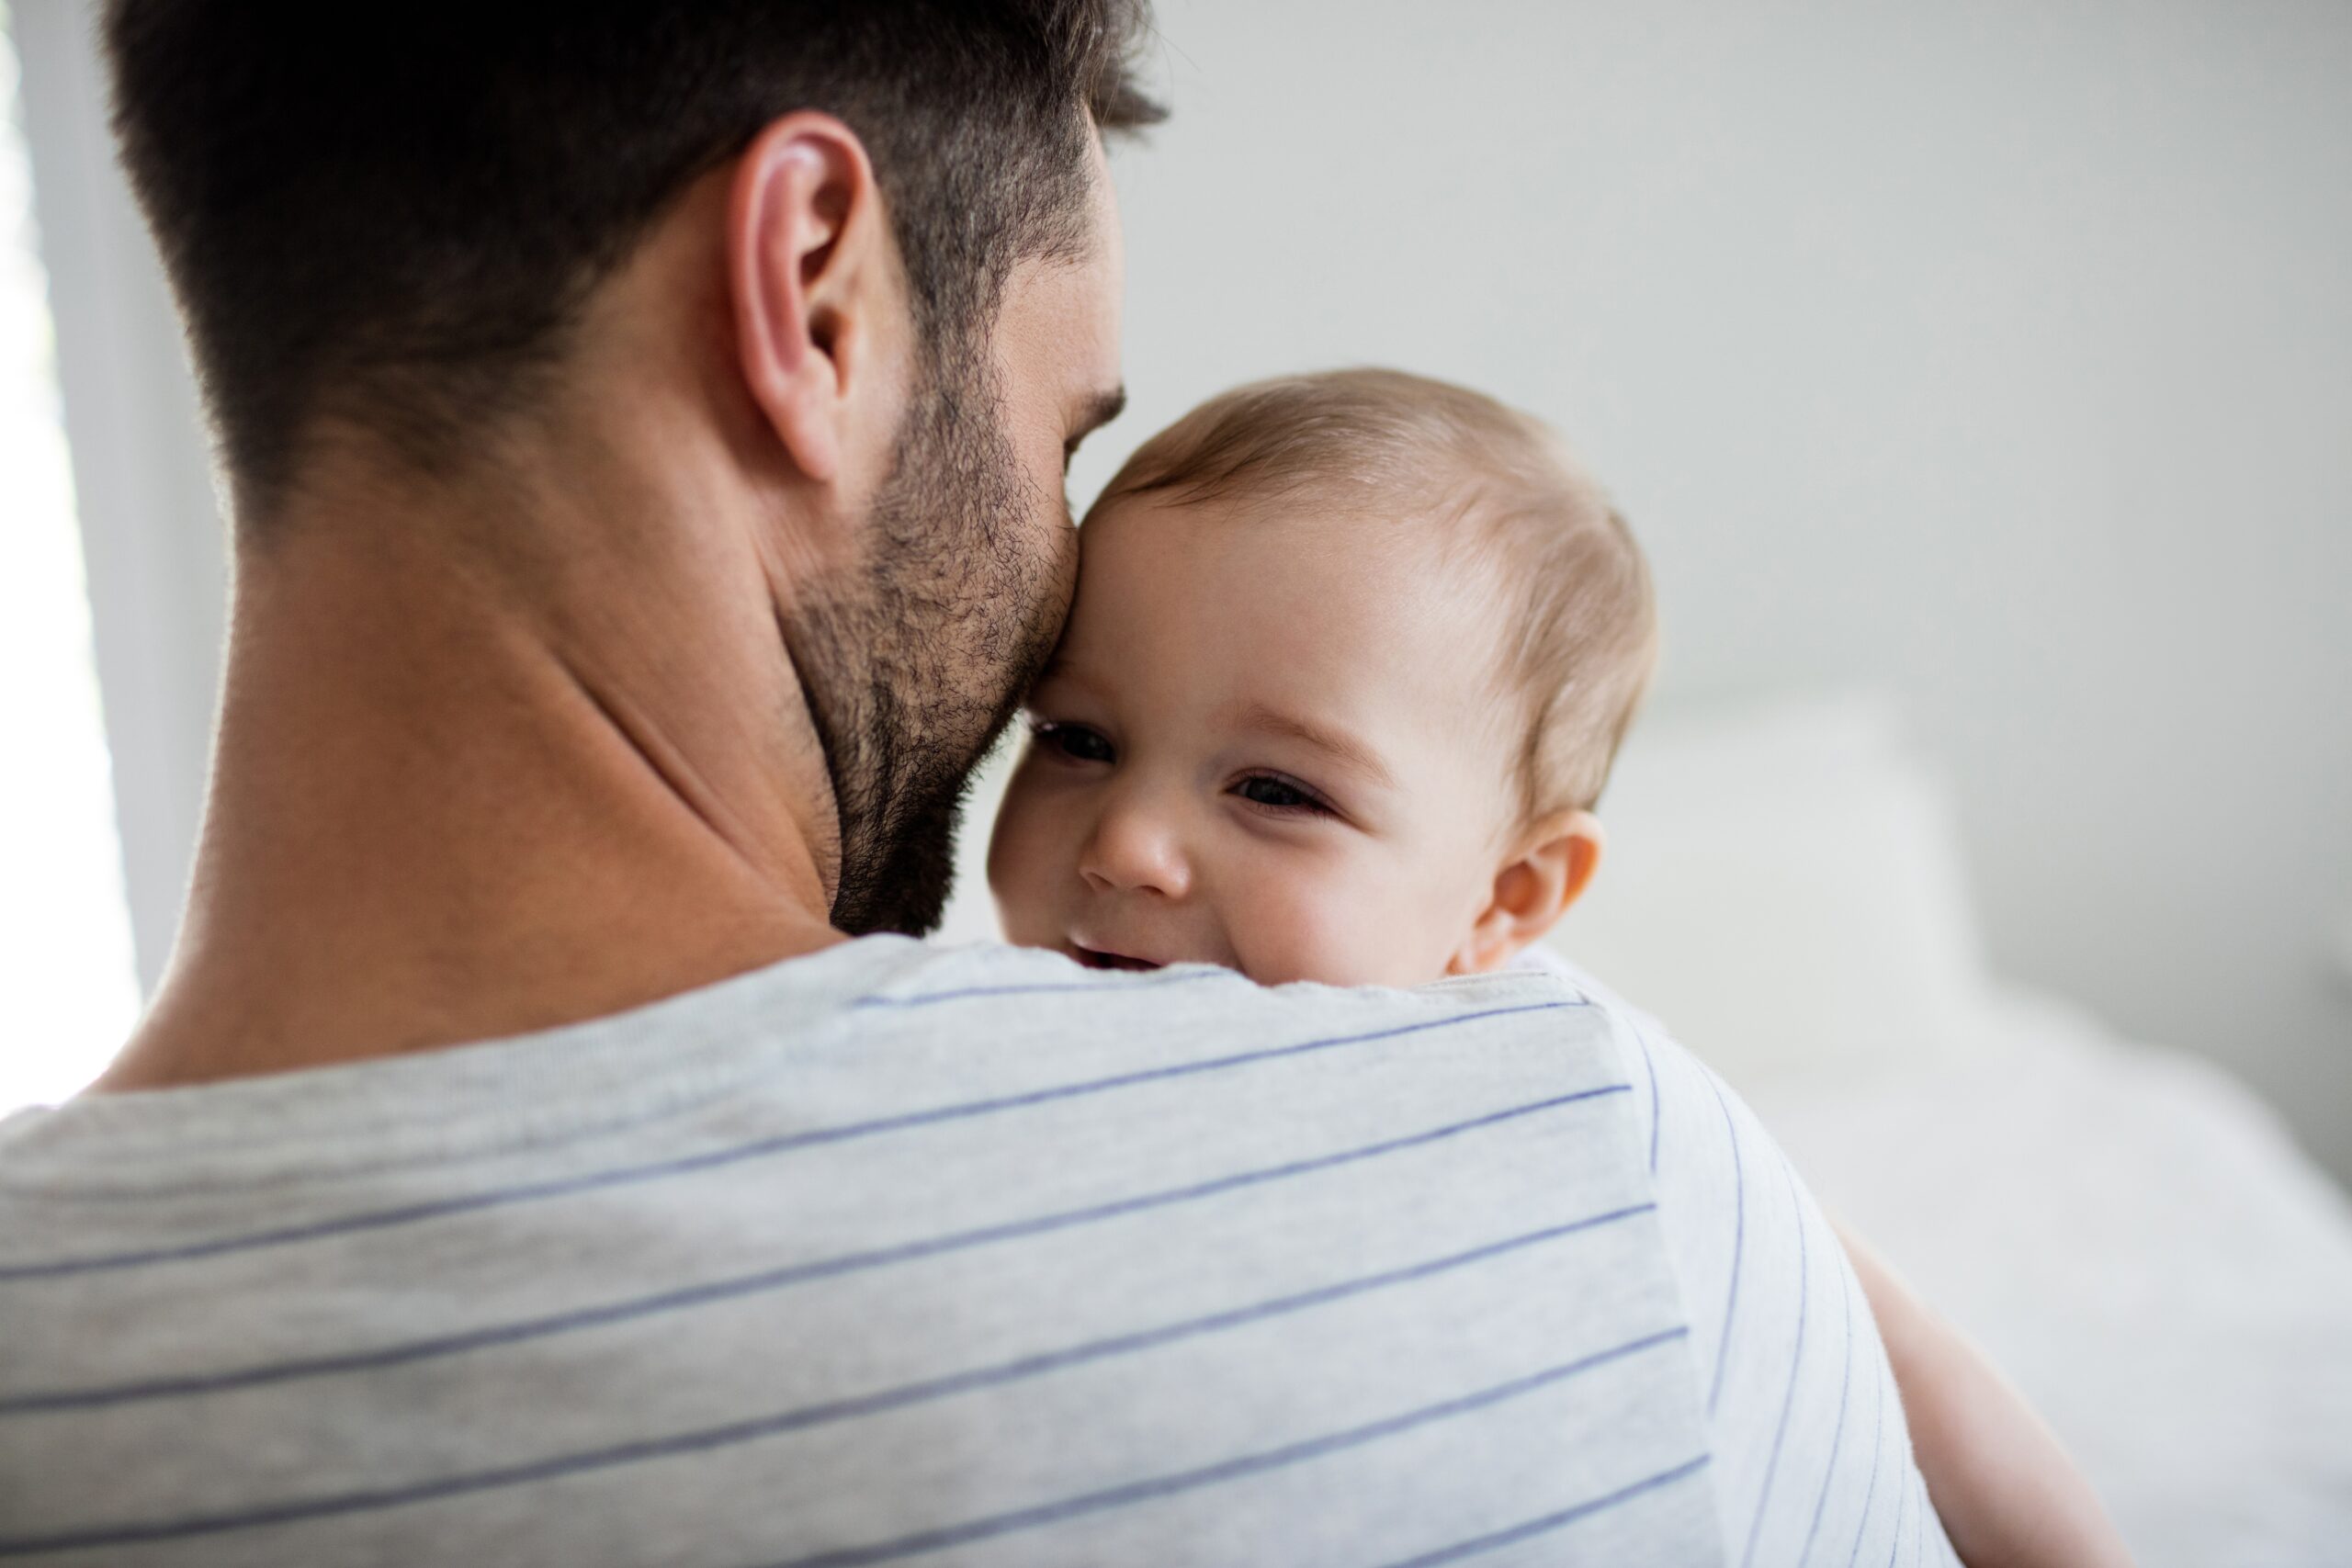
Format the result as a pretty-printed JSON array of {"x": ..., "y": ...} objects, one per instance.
[{"x": 448, "y": 806}]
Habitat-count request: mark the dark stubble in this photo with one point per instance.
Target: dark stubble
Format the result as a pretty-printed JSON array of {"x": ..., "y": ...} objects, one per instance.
[{"x": 914, "y": 660}]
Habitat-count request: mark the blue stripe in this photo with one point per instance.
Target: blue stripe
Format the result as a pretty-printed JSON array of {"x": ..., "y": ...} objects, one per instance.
[
  {"x": 1738, "y": 1242},
  {"x": 1108, "y": 987},
  {"x": 693, "y": 1442},
  {"x": 1210, "y": 1475},
  {"x": 1902, "y": 1507},
  {"x": 1796, "y": 1361},
  {"x": 782, "y": 1143},
  {"x": 1551, "y": 1522},
  {"x": 766, "y": 1281},
  {"x": 1837, "y": 1433},
  {"x": 1650, "y": 1062}
]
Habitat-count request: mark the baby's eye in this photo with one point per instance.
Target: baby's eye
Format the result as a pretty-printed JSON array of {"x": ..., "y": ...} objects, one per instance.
[
  {"x": 1075, "y": 741},
  {"x": 1277, "y": 793}
]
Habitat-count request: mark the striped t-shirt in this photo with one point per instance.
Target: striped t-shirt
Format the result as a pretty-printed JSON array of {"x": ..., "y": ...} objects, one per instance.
[{"x": 896, "y": 1254}]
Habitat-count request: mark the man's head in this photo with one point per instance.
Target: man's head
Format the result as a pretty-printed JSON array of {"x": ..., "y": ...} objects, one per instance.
[{"x": 408, "y": 235}]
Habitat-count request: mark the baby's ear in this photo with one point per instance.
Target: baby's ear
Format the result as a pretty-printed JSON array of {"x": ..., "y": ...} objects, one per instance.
[{"x": 1550, "y": 866}]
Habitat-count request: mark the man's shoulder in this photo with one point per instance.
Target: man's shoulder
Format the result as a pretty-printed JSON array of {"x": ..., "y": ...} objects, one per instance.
[
  {"x": 1045, "y": 983},
  {"x": 1040, "y": 1002},
  {"x": 1253, "y": 1226},
  {"x": 1127, "y": 1258}
]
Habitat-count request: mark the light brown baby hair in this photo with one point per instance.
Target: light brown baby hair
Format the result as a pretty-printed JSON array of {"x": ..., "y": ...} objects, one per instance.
[{"x": 1581, "y": 638}]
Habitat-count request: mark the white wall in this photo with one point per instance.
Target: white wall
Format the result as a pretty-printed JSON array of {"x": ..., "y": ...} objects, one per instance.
[
  {"x": 2002, "y": 353},
  {"x": 1999, "y": 352},
  {"x": 152, "y": 540}
]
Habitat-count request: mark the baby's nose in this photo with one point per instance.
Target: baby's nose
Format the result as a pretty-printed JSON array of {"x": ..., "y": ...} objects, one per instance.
[{"x": 1136, "y": 848}]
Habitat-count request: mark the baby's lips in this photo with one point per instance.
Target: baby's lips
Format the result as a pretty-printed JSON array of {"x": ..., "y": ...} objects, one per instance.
[{"x": 1104, "y": 955}]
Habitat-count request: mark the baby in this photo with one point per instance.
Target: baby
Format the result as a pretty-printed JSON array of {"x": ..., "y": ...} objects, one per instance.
[{"x": 1350, "y": 656}]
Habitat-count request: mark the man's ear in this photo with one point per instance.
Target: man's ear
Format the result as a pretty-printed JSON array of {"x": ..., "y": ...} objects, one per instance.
[
  {"x": 1547, "y": 870},
  {"x": 813, "y": 271}
]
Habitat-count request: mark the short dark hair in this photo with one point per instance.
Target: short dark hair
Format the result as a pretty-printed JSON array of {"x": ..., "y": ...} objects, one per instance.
[{"x": 390, "y": 215}]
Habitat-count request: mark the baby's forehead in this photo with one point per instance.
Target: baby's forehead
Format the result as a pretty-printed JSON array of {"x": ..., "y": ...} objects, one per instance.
[
  {"x": 1391, "y": 557},
  {"x": 1362, "y": 606}
]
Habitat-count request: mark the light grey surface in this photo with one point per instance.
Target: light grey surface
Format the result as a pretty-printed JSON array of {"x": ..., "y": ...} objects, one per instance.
[
  {"x": 969, "y": 1256},
  {"x": 2000, "y": 352}
]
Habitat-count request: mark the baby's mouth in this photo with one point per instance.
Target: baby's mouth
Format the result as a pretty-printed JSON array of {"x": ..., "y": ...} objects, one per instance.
[{"x": 1095, "y": 958}]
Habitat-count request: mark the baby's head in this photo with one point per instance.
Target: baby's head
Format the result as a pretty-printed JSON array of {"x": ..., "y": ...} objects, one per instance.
[{"x": 1349, "y": 661}]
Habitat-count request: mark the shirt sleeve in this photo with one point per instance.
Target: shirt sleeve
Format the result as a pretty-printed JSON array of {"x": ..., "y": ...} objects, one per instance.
[{"x": 1812, "y": 1455}]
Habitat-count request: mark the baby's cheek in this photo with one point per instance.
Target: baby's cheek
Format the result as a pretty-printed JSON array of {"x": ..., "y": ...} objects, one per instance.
[
  {"x": 1339, "y": 925},
  {"x": 1025, "y": 859}
]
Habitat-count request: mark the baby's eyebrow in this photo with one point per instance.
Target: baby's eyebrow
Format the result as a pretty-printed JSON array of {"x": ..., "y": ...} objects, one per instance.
[{"x": 1346, "y": 748}]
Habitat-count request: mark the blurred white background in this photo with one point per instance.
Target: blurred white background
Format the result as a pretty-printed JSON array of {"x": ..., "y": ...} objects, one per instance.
[
  {"x": 1999, "y": 356},
  {"x": 64, "y": 930}
]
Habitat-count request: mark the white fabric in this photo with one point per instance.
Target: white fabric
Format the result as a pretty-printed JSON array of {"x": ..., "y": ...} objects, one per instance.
[
  {"x": 2137, "y": 1242},
  {"x": 893, "y": 1252}
]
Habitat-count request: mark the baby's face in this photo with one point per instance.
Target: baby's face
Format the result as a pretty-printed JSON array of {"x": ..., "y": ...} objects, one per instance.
[{"x": 1267, "y": 741}]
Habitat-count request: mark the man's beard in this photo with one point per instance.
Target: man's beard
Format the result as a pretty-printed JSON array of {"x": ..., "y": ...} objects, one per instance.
[{"x": 913, "y": 661}]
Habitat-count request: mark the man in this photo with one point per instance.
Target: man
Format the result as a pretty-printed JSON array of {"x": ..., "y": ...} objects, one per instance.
[{"x": 645, "y": 425}]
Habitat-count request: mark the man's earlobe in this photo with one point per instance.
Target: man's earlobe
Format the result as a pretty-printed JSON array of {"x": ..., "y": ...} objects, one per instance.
[
  {"x": 803, "y": 231},
  {"x": 1548, "y": 870}
]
